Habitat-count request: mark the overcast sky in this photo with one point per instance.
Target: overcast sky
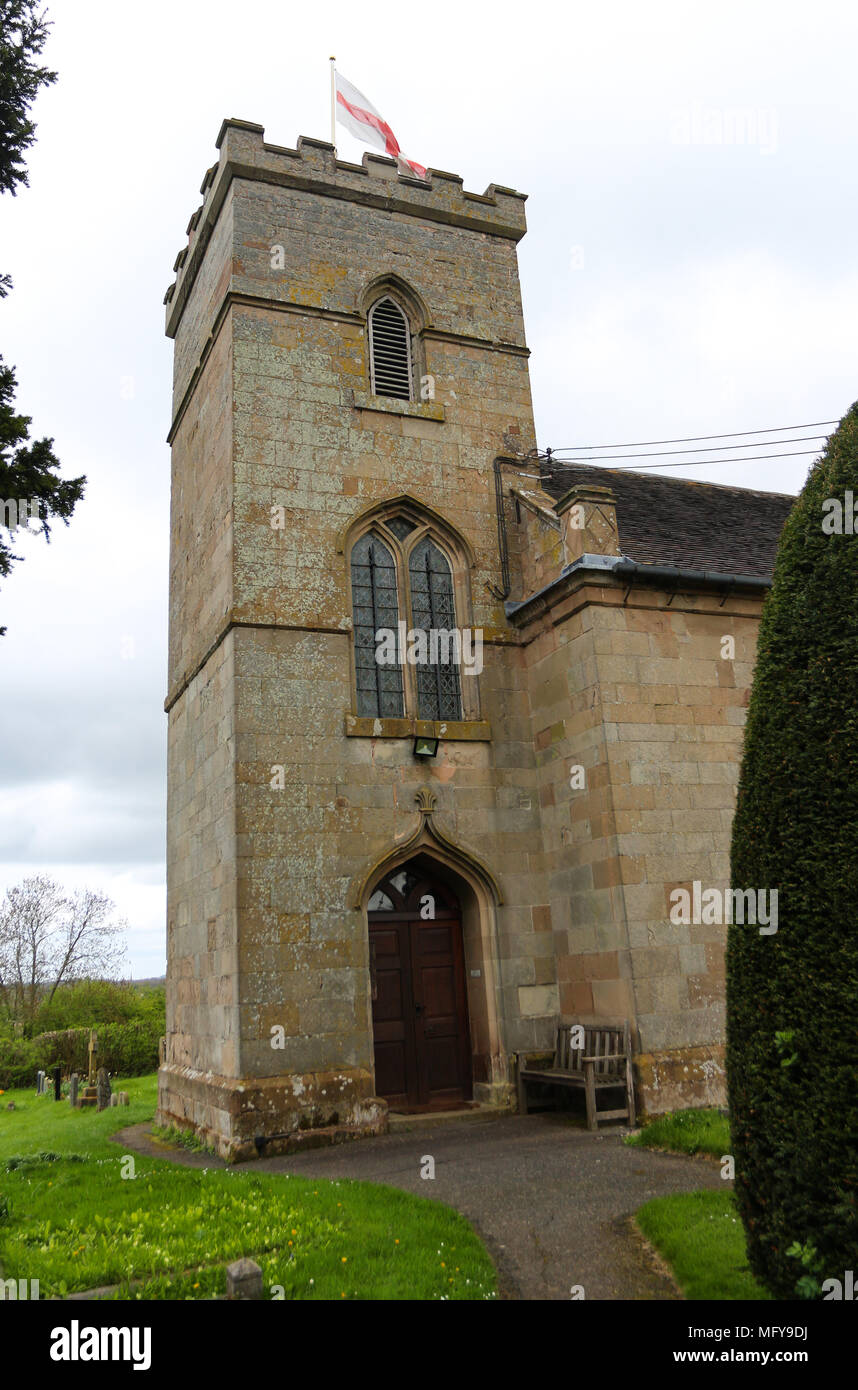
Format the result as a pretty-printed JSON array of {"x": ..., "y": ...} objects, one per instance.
[{"x": 691, "y": 268}]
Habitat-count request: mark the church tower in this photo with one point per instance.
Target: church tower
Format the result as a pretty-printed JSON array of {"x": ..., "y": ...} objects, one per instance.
[{"x": 354, "y": 920}]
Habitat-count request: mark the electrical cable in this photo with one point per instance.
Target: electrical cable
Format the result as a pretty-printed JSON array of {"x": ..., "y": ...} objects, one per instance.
[
  {"x": 687, "y": 463},
  {"x": 694, "y": 438}
]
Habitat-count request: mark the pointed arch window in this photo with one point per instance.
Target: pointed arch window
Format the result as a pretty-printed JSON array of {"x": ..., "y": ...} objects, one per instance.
[
  {"x": 390, "y": 365},
  {"x": 413, "y": 654},
  {"x": 433, "y": 609},
  {"x": 376, "y": 605}
]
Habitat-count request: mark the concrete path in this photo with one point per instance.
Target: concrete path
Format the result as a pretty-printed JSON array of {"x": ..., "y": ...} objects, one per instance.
[{"x": 551, "y": 1201}]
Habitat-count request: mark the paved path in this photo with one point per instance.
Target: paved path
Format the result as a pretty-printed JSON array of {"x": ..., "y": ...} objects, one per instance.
[{"x": 551, "y": 1200}]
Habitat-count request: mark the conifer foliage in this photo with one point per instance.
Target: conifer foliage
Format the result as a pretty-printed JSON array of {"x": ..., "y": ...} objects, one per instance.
[
  {"x": 792, "y": 996},
  {"x": 30, "y": 489}
]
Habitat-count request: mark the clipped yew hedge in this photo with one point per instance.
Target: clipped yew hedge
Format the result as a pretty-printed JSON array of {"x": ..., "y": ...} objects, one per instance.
[{"x": 792, "y": 997}]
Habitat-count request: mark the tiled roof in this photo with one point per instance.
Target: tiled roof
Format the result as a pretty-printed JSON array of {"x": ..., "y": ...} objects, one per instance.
[{"x": 679, "y": 521}]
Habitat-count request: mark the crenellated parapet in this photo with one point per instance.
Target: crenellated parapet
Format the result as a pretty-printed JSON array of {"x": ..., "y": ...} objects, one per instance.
[{"x": 313, "y": 167}]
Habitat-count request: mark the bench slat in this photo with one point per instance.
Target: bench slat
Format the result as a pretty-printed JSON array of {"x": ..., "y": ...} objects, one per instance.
[{"x": 602, "y": 1062}]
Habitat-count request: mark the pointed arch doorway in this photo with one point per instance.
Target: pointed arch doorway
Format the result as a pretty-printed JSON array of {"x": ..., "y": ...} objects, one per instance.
[{"x": 419, "y": 997}]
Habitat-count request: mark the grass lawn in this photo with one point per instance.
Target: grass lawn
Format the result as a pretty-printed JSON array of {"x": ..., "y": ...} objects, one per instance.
[
  {"x": 699, "y": 1234},
  {"x": 75, "y": 1219},
  {"x": 685, "y": 1132},
  {"x": 701, "y": 1237}
]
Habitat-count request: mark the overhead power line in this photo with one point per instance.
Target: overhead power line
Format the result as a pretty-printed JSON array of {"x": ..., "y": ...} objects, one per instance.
[
  {"x": 694, "y": 439},
  {"x": 687, "y": 463},
  {"x": 709, "y": 449}
]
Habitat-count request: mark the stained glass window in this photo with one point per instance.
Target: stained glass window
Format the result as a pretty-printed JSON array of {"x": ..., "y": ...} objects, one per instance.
[
  {"x": 400, "y": 526},
  {"x": 379, "y": 686},
  {"x": 433, "y": 609}
]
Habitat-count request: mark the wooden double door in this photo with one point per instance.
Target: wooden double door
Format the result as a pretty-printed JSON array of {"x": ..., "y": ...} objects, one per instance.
[{"x": 419, "y": 998}]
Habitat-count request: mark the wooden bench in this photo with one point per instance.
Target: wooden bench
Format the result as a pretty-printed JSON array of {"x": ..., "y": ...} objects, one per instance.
[{"x": 602, "y": 1062}]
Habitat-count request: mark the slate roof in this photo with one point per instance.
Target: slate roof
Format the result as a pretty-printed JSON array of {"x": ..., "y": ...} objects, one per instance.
[{"x": 680, "y": 521}]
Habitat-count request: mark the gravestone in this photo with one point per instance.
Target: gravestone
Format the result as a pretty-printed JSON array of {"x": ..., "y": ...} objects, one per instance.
[
  {"x": 73, "y": 1083},
  {"x": 114, "y": 1098},
  {"x": 40, "y": 1082},
  {"x": 90, "y": 1094},
  {"x": 58, "y": 1083},
  {"x": 102, "y": 1087},
  {"x": 243, "y": 1279},
  {"x": 11, "y": 1105},
  {"x": 124, "y": 1098}
]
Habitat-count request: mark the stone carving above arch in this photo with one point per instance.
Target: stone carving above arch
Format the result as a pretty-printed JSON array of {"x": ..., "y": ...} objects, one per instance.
[
  {"x": 426, "y": 801},
  {"x": 430, "y": 835},
  {"x": 419, "y": 512}
]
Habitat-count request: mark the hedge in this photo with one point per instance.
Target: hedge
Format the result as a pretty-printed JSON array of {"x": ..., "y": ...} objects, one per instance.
[
  {"x": 125, "y": 1049},
  {"x": 792, "y": 996}
]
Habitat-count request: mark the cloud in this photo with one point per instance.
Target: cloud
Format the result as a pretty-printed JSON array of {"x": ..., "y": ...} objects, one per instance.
[{"x": 714, "y": 290}]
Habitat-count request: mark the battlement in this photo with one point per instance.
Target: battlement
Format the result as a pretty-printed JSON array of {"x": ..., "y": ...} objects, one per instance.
[{"x": 314, "y": 167}]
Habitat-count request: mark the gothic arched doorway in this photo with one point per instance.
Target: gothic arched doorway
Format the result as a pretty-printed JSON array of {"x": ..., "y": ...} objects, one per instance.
[{"x": 419, "y": 999}]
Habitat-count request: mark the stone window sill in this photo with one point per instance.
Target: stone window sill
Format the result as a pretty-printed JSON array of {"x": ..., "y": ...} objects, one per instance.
[
  {"x": 389, "y": 405},
  {"x": 450, "y": 730}
]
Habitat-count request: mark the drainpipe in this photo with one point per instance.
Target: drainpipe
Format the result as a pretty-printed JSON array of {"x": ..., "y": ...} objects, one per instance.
[{"x": 502, "y": 541}]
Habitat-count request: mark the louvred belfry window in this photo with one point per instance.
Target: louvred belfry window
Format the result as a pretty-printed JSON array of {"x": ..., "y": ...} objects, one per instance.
[
  {"x": 439, "y": 694},
  {"x": 379, "y": 687},
  {"x": 390, "y": 351}
]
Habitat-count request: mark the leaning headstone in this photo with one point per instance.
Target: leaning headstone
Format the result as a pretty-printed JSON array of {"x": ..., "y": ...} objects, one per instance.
[
  {"x": 73, "y": 1085},
  {"x": 58, "y": 1083},
  {"x": 102, "y": 1087},
  {"x": 244, "y": 1279}
]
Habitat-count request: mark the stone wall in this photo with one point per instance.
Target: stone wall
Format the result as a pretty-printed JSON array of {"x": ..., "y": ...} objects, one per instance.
[{"x": 628, "y": 683}]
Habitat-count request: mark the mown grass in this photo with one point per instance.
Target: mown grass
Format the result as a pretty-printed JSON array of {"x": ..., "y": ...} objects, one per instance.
[
  {"x": 701, "y": 1237},
  {"x": 685, "y": 1132},
  {"x": 118, "y": 1218}
]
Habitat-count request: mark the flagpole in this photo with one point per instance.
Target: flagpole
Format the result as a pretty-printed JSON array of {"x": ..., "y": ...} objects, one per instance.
[{"x": 333, "y": 105}]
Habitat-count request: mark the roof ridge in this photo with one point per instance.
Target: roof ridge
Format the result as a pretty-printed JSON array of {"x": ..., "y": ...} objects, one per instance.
[{"x": 660, "y": 477}]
